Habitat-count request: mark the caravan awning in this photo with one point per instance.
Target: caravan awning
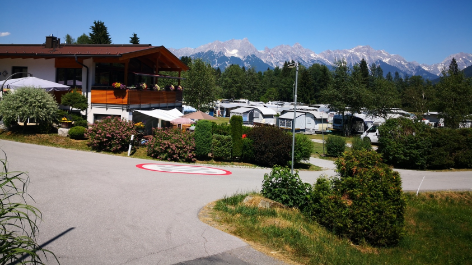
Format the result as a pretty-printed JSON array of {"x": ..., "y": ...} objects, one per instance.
[{"x": 166, "y": 115}]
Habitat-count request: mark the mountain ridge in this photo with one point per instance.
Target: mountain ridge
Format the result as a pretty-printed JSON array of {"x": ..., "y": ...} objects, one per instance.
[{"x": 222, "y": 54}]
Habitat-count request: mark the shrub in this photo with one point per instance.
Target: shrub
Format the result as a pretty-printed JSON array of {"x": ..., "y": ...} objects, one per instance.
[
  {"x": 172, "y": 145},
  {"x": 18, "y": 220},
  {"x": 287, "y": 188},
  {"x": 359, "y": 144},
  {"x": 221, "y": 129},
  {"x": 222, "y": 145},
  {"x": 405, "y": 143},
  {"x": 203, "y": 138},
  {"x": 303, "y": 147},
  {"x": 74, "y": 99},
  {"x": 271, "y": 145},
  {"x": 77, "y": 132},
  {"x": 463, "y": 156},
  {"x": 28, "y": 102},
  {"x": 82, "y": 123},
  {"x": 335, "y": 146},
  {"x": 110, "y": 134},
  {"x": 236, "y": 135},
  {"x": 248, "y": 151},
  {"x": 365, "y": 203}
]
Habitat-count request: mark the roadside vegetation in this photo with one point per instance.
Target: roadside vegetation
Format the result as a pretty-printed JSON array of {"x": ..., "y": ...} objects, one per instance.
[
  {"x": 18, "y": 220},
  {"x": 360, "y": 216},
  {"x": 437, "y": 231}
]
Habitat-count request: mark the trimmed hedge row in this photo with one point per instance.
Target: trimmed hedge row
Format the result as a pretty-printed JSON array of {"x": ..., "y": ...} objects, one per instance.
[{"x": 408, "y": 144}]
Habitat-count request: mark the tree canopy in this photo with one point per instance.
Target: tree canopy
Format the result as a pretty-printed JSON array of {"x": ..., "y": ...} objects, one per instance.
[
  {"x": 134, "y": 39},
  {"x": 99, "y": 34}
]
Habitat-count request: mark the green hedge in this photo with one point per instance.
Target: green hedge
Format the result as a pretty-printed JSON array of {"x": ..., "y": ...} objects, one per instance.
[
  {"x": 335, "y": 146},
  {"x": 77, "y": 132},
  {"x": 408, "y": 144},
  {"x": 203, "y": 138},
  {"x": 271, "y": 145},
  {"x": 221, "y": 145},
  {"x": 236, "y": 135}
]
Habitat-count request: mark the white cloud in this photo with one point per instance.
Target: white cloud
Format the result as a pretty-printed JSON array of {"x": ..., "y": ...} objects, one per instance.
[{"x": 3, "y": 34}]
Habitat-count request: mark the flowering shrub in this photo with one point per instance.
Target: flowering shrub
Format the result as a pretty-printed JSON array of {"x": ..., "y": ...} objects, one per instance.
[
  {"x": 110, "y": 134},
  {"x": 172, "y": 145}
]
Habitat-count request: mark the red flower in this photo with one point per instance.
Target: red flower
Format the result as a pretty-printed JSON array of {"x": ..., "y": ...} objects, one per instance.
[{"x": 244, "y": 136}]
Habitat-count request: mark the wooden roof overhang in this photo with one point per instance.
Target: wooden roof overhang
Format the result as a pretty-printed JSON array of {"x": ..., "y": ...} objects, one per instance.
[{"x": 157, "y": 56}]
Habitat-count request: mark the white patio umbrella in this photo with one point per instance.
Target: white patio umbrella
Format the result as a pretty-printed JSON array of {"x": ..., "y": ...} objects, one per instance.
[{"x": 34, "y": 82}]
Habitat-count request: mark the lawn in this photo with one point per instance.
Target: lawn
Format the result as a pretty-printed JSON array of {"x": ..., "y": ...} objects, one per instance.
[{"x": 438, "y": 230}]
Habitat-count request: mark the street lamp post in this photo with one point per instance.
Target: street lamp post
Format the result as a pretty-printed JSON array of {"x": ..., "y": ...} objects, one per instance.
[{"x": 294, "y": 113}]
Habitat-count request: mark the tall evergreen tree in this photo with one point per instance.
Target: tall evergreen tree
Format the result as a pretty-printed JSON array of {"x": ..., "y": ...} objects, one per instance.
[
  {"x": 364, "y": 69},
  {"x": 454, "y": 96},
  {"x": 99, "y": 34},
  {"x": 134, "y": 39}
]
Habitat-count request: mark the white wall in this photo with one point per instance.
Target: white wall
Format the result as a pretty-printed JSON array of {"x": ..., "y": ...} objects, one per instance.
[{"x": 41, "y": 68}]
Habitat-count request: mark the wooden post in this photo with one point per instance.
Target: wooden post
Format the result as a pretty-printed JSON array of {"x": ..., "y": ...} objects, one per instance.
[{"x": 179, "y": 76}]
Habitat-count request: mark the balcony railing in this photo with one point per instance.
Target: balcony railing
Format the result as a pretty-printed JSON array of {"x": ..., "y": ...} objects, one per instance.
[{"x": 135, "y": 99}]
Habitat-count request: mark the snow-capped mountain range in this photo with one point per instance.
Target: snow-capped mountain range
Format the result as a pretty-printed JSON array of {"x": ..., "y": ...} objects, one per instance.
[{"x": 242, "y": 52}]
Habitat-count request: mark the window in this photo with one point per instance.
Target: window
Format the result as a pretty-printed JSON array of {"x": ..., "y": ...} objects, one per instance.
[
  {"x": 288, "y": 124},
  {"x": 19, "y": 69},
  {"x": 282, "y": 123},
  {"x": 69, "y": 76}
]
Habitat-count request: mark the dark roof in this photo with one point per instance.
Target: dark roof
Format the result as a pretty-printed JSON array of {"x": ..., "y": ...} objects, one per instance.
[{"x": 120, "y": 51}]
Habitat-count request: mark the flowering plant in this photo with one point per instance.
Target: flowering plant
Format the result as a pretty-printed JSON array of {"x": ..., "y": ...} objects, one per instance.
[
  {"x": 171, "y": 88},
  {"x": 122, "y": 86},
  {"x": 143, "y": 85},
  {"x": 244, "y": 136},
  {"x": 156, "y": 87},
  {"x": 180, "y": 88},
  {"x": 64, "y": 119},
  {"x": 116, "y": 85},
  {"x": 139, "y": 125}
]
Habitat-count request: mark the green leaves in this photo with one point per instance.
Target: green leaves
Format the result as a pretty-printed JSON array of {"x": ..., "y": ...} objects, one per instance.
[
  {"x": 18, "y": 219},
  {"x": 28, "y": 102},
  {"x": 281, "y": 186}
]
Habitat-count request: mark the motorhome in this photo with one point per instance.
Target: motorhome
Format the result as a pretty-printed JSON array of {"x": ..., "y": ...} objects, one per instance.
[{"x": 372, "y": 133}]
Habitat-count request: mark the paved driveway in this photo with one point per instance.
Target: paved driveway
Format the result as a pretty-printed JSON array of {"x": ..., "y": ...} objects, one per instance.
[{"x": 102, "y": 209}]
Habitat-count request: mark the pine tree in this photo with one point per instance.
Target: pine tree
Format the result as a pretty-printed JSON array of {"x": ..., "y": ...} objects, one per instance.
[
  {"x": 134, "y": 39},
  {"x": 99, "y": 34},
  {"x": 364, "y": 69}
]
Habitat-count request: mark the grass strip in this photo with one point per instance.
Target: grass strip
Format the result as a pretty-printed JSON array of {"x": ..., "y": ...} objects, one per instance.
[{"x": 438, "y": 230}]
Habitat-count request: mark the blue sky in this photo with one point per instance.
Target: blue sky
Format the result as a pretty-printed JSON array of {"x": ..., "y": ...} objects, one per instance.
[{"x": 422, "y": 31}]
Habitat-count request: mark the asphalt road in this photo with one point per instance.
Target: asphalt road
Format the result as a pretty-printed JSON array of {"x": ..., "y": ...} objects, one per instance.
[{"x": 102, "y": 209}]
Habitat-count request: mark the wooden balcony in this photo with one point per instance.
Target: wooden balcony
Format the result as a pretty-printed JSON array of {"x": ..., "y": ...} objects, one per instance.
[{"x": 135, "y": 99}]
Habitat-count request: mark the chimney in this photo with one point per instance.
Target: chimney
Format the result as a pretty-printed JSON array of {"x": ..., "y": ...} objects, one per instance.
[{"x": 51, "y": 41}]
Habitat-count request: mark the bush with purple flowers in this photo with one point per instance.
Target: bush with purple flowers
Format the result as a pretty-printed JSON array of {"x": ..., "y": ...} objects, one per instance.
[
  {"x": 111, "y": 134},
  {"x": 172, "y": 145}
]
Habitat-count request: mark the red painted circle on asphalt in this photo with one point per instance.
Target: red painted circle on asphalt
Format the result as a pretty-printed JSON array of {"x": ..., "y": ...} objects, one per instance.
[{"x": 183, "y": 169}]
